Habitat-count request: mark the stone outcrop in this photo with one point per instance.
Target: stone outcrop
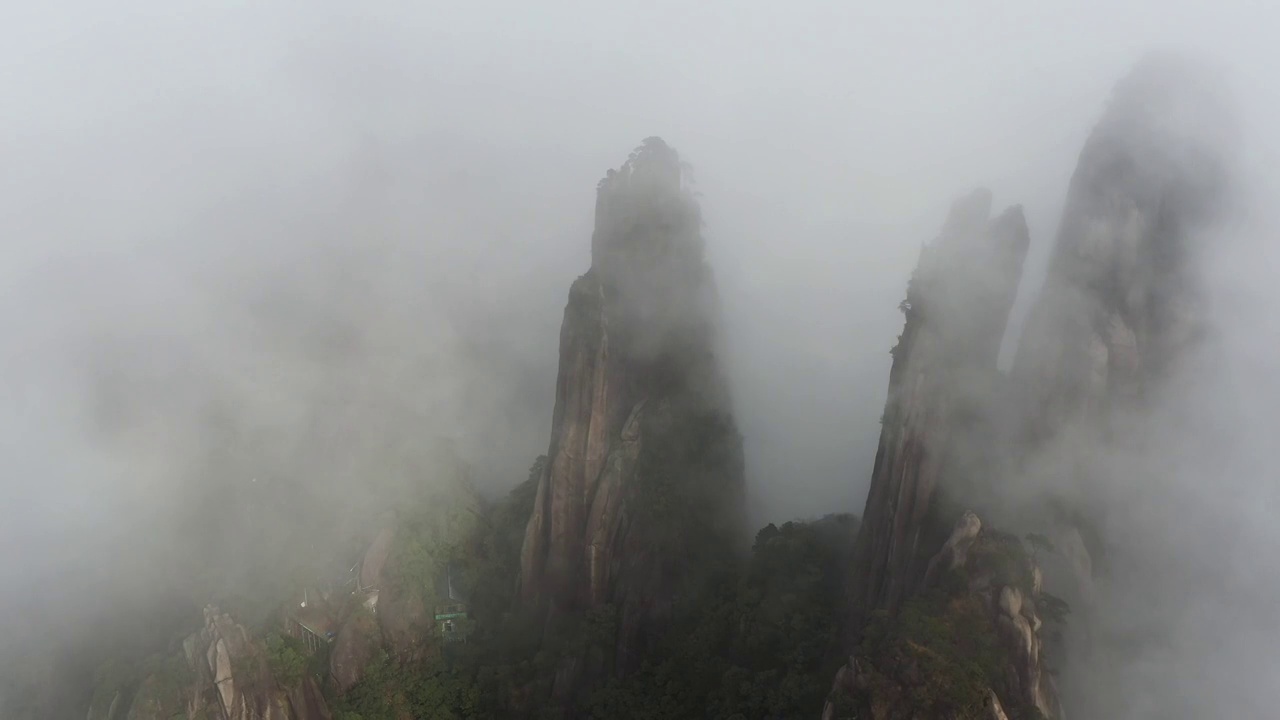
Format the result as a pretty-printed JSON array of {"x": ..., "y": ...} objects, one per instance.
[
  {"x": 644, "y": 473},
  {"x": 955, "y": 553},
  {"x": 1121, "y": 307},
  {"x": 943, "y": 374},
  {"x": 110, "y": 706},
  {"x": 944, "y": 619},
  {"x": 386, "y": 606},
  {"x": 359, "y": 638},
  {"x": 222, "y": 673},
  {"x": 967, "y": 645},
  {"x": 359, "y": 641}
]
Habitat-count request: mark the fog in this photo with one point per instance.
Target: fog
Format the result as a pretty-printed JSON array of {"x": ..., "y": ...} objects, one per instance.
[{"x": 262, "y": 244}]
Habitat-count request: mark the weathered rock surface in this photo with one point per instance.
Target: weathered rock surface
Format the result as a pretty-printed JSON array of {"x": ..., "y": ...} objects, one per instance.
[
  {"x": 945, "y": 615},
  {"x": 1122, "y": 308},
  {"x": 943, "y": 372},
  {"x": 358, "y": 642},
  {"x": 996, "y": 709},
  {"x": 109, "y": 707},
  {"x": 955, "y": 553},
  {"x": 307, "y": 701},
  {"x": 644, "y": 471},
  {"x": 393, "y": 609},
  {"x": 1122, "y": 299},
  {"x": 969, "y": 645},
  {"x": 375, "y": 559},
  {"x": 222, "y": 674}
]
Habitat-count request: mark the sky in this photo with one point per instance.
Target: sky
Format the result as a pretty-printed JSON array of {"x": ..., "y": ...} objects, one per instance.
[{"x": 246, "y": 205}]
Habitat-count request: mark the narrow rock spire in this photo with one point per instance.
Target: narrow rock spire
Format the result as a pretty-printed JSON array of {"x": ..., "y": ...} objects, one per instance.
[
  {"x": 644, "y": 474},
  {"x": 956, "y": 308}
]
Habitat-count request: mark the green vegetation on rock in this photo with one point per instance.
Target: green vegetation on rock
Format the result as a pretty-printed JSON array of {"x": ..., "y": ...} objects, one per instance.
[
  {"x": 287, "y": 658},
  {"x": 946, "y": 642},
  {"x": 764, "y": 646},
  {"x": 431, "y": 532},
  {"x": 391, "y": 690},
  {"x": 761, "y": 642},
  {"x": 686, "y": 492},
  {"x": 748, "y": 637},
  {"x": 941, "y": 655}
]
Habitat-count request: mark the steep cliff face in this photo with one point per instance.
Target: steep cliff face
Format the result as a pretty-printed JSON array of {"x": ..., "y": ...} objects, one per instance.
[
  {"x": 1122, "y": 311},
  {"x": 1122, "y": 299},
  {"x": 959, "y": 635},
  {"x": 644, "y": 474},
  {"x": 937, "y": 413},
  {"x": 946, "y": 625}
]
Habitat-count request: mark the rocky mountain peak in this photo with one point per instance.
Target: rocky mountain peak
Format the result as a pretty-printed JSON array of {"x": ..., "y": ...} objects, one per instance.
[
  {"x": 1122, "y": 298},
  {"x": 642, "y": 419},
  {"x": 944, "y": 365}
]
